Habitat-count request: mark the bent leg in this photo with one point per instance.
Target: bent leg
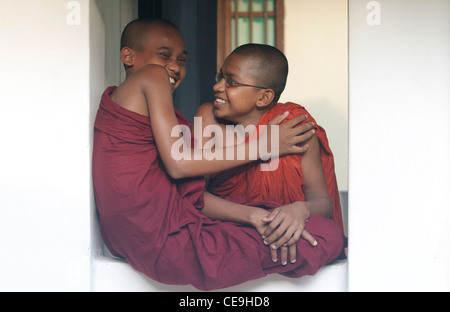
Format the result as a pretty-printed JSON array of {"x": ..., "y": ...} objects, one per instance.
[
  {"x": 310, "y": 259},
  {"x": 224, "y": 254}
]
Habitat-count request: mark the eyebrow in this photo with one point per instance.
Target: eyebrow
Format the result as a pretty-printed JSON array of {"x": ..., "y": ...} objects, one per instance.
[
  {"x": 229, "y": 75},
  {"x": 170, "y": 49}
]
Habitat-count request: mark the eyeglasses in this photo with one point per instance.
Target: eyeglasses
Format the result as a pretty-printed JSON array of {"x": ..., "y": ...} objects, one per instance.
[{"x": 230, "y": 83}]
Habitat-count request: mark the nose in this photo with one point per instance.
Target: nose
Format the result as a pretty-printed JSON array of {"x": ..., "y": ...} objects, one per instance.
[
  {"x": 173, "y": 66},
  {"x": 219, "y": 86}
]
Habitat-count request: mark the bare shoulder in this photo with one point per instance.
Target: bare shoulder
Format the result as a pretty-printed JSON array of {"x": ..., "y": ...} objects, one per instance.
[
  {"x": 206, "y": 109},
  {"x": 313, "y": 151},
  {"x": 206, "y": 112},
  {"x": 130, "y": 94},
  {"x": 150, "y": 74}
]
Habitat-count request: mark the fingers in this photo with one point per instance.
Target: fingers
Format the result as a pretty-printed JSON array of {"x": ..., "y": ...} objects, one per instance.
[
  {"x": 271, "y": 216},
  {"x": 295, "y": 136},
  {"x": 286, "y": 253},
  {"x": 302, "y": 129},
  {"x": 274, "y": 254},
  {"x": 294, "y": 238},
  {"x": 298, "y": 149},
  {"x": 309, "y": 238},
  {"x": 295, "y": 121},
  {"x": 288, "y": 250},
  {"x": 302, "y": 138},
  {"x": 293, "y": 253},
  {"x": 272, "y": 232},
  {"x": 278, "y": 119},
  {"x": 278, "y": 232},
  {"x": 294, "y": 148},
  {"x": 280, "y": 237}
]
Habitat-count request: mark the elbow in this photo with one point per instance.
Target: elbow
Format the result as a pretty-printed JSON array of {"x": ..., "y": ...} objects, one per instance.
[
  {"x": 177, "y": 171},
  {"x": 329, "y": 213},
  {"x": 328, "y": 209},
  {"x": 175, "y": 175},
  {"x": 321, "y": 206}
]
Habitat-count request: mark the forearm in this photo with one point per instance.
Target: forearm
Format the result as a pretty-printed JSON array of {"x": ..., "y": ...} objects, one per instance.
[
  {"x": 184, "y": 163},
  {"x": 217, "y": 208},
  {"x": 179, "y": 158},
  {"x": 195, "y": 162},
  {"x": 320, "y": 206}
]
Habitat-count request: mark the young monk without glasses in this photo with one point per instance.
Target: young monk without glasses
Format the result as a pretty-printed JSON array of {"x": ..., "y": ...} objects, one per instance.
[{"x": 150, "y": 205}]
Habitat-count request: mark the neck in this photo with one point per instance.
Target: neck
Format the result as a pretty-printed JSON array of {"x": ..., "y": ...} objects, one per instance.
[{"x": 248, "y": 120}]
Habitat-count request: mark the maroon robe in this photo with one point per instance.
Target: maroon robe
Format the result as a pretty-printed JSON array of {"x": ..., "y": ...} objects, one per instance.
[{"x": 155, "y": 222}]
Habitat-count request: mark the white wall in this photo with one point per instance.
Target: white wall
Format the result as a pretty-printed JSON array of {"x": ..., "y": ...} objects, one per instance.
[
  {"x": 45, "y": 157},
  {"x": 53, "y": 73},
  {"x": 399, "y": 195},
  {"x": 50, "y": 80},
  {"x": 316, "y": 35},
  {"x": 107, "y": 20}
]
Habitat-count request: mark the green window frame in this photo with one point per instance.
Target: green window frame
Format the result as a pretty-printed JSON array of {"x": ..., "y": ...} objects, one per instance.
[{"x": 249, "y": 21}]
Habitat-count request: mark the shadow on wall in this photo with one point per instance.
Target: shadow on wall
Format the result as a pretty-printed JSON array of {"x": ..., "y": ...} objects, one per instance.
[{"x": 326, "y": 115}]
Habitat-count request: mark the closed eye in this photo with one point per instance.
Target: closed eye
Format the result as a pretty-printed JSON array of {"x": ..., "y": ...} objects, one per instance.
[
  {"x": 164, "y": 55},
  {"x": 230, "y": 81}
]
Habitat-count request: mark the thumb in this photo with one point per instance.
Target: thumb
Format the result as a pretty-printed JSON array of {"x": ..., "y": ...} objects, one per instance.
[
  {"x": 309, "y": 238},
  {"x": 271, "y": 215}
]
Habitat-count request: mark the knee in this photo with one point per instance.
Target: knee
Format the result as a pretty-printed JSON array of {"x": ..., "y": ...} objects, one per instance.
[{"x": 329, "y": 235}]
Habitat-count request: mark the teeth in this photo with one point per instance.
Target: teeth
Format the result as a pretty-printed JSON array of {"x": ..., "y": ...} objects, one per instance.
[
  {"x": 172, "y": 81},
  {"x": 220, "y": 101}
]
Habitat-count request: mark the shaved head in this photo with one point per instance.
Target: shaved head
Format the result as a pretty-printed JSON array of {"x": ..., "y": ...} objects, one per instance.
[
  {"x": 269, "y": 66},
  {"x": 136, "y": 32},
  {"x": 146, "y": 36}
]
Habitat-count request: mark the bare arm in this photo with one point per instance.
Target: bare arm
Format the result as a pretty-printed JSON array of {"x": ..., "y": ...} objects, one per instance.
[
  {"x": 156, "y": 90},
  {"x": 287, "y": 223},
  {"x": 316, "y": 191},
  {"x": 217, "y": 208}
]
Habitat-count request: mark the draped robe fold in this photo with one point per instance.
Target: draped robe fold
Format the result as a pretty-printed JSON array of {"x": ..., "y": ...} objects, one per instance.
[
  {"x": 155, "y": 223},
  {"x": 285, "y": 184}
]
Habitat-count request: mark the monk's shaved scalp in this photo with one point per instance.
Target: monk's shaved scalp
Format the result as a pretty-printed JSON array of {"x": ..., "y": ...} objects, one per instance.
[
  {"x": 270, "y": 66},
  {"x": 136, "y": 32}
]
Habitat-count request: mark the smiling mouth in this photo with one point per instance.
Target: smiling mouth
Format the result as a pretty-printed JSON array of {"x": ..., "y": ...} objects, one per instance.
[
  {"x": 220, "y": 101},
  {"x": 172, "y": 81}
]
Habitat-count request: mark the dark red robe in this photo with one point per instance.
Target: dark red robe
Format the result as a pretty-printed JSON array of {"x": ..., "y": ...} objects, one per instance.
[{"x": 155, "y": 222}]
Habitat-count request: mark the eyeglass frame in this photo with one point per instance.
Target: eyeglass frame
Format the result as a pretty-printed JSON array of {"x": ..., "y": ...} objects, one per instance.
[{"x": 220, "y": 76}]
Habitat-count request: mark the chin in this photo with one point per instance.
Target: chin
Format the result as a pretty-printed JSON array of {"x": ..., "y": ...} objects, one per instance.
[
  {"x": 222, "y": 118},
  {"x": 219, "y": 114}
]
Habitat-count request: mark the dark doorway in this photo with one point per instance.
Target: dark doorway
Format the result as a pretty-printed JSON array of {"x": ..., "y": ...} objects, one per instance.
[{"x": 197, "y": 20}]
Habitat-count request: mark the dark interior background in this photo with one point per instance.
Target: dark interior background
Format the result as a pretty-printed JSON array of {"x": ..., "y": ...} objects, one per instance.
[{"x": 197, "y": 20}]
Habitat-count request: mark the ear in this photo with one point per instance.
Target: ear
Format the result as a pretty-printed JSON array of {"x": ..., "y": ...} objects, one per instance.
[
  {"x": 266, "y": 98},
  {"x": 127, "y": 56}
]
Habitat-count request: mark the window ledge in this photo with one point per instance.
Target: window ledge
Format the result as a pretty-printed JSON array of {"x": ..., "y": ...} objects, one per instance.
[{"x": 109, "y": 276}]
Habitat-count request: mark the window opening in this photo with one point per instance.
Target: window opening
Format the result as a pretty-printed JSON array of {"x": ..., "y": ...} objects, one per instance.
[{"x": 249, "y": 21}]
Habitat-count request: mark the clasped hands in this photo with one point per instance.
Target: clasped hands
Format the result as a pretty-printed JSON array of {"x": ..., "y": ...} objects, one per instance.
[{"x": 282, "y": 228}]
